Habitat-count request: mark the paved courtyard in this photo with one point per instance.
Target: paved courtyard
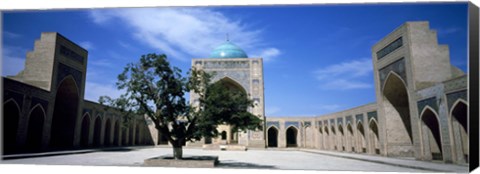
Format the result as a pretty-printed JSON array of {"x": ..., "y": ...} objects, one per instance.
[{"x": 259, "y": 159}]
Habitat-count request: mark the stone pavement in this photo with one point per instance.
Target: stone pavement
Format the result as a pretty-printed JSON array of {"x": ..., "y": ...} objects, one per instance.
[
  {"x": 409, "y": 163},
  {"x": 296, "y": 159}
]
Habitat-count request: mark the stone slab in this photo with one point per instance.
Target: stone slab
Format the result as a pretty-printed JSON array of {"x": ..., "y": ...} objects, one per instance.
[{"x": 186, "y": 162}]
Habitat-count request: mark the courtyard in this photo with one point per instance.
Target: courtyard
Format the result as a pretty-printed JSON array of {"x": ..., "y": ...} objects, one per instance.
[{"x": 282, "y": 158}]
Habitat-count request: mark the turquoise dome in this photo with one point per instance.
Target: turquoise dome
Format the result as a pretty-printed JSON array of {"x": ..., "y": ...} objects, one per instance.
[{"x": 228, "y": 50}]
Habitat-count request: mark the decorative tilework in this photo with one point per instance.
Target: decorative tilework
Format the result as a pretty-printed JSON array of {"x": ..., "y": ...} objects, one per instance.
[
  {"x": 427, "y": 102},
  {"x": 454, "y": 96},
  {"x": 42, "y": 102},
  {"x": 64, "y": 70},
  {"x": 273, "y": 123},
  {"x": 397, "y": 67},
  {"x": 16, "y": 96},
  {"x": 371, "y": 115},
  {"x": 292, "y": 123}
]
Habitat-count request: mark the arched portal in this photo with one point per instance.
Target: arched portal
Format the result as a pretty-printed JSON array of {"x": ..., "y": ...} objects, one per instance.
[
  {"x": 131, "y": 134},
  {"x": 11, "y": 114},
  {"x": 116, "y": 134},
  {"x": 272, "y": 137},
  {"x": 124, "y": 136},
  {"x": 64, "y": 114},
  {"x": 137, "y": 134},
  {"x": 340, "y": 138},
  {"x": 431, "y": 135},
  {"x": 362, "y": 146},
  {"x": 97, "y": 137},
  {"x": 108, "y": 133},
  {"x": 292, "y": 137},
  {"x": 35, "y": 129},
  {"x": 350, "y": 138},
  {"x": 374, "y": 143},
  {"x": 85, "y": 134},
  {"x": 333, "y": 138},
  {"x": 321, "y": 139},
  {"x": 326, "y": 142},
  {"x": 460, "y": 131},
  {"x": 397, "y": 113},
  {"x": 224, "y": 135}
]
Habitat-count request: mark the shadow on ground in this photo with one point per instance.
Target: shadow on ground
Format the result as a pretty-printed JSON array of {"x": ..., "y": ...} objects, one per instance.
[
  {"x": 119, "y": 149},
  {"x": 235, "y": 164}
]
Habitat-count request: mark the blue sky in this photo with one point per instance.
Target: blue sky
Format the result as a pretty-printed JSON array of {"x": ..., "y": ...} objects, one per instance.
[{"x": 317, "y": 59}]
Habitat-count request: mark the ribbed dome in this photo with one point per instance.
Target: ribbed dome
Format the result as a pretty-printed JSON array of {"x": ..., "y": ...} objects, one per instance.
[{"x": 228, "y": 50}]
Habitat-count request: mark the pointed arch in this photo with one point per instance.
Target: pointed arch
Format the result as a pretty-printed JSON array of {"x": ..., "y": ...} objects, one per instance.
[
  {"x": 373, "y": 133},
  {"x": 459, "y": 130},
  {"x": 223, "y": 135},
  {"x": 97, "y": 137},
  {"x": 11, "y": 117},
  {"x": 232, "y": 84},
  {"x": 272, "y": 136},
  {"x": 116, "y": 133},
  {"x": 350, "y": 137},
  {"x": 108, "y": 133},
  {"x": 361, "y": 143},
  {"x": 431, "y": 135},
  {"x": 65, "y": 113},
  {"x": 137, "y": 134},
  {"x": 85, "y": 132},
  {"x": 36, "y": 121},
  {"x": 396, "y": 105},
  {"x": 291, "y": 136}
]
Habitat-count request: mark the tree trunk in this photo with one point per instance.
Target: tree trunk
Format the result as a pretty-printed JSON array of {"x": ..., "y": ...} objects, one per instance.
[{"x": 177, "y": 153}]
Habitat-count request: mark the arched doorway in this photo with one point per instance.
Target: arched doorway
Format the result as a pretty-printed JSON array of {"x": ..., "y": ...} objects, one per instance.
[
  {"x": 64, "y": 114},
  {"x": 124, "y": 136},
  {"x": 11, "y": 114},
  {"x": 131, "y": 134},
  {"x": 97, "y": 138},
  {"x": 116, "y": 134},
  {"x": 459, "y": 123},
  {"x": 374, "y": 143},
  {"x": 137, "y": 134},
  {"x": 85, "y": 134},
  {"x": 326, "y": 142},
  {"x": 333, "y": 137},
  {"x": 108, "y": 133},
  {"x": 292, "y": 137},
  {"x": 350, "y": 138},
  {"x": 362, "y": 147},
  {"x": 272, "y": 137},
  {"x": 397, "y": 113},
  {"x": 35, "y": 129},
  {"x": 431, "y": 140},
  {"x": 223, "y": 135},
  {"x": 320, "y": 133},
  {"x": 340, "y": 138}
]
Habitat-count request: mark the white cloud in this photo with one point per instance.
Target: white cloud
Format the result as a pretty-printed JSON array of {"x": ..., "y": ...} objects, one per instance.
[
  {"x": 329, "y": 107},
  {"x": 182, "y": 33},
  {"x": 271, "y": 110},
  {"x": 11, "y": 35},
  {"x": 12, "y": 60},
  {"x": 87, "y": 45},
  {"x": 345, "y": 75},
  {"x": 93, "y": 91},
  {"x": 268, "y": 54}
]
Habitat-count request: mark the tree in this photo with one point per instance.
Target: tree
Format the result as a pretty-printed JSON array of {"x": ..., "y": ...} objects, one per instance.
[{"x": 156, "y": 89}]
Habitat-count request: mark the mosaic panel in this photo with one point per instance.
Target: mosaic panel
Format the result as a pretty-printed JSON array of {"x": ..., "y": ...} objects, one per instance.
[{"x": 397, "y": 67}]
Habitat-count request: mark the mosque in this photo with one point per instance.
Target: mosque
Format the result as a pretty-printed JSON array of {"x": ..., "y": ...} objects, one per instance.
[{"x": 420, "y": 110}]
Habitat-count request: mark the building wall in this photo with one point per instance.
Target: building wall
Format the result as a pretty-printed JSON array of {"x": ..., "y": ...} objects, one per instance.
[
  {"x": 45, "y": 106},
  {"x": 246, "y": 74}
]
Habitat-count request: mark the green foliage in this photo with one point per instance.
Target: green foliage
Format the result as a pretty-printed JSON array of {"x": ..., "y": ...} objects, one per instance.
[{"x": 156, "y": 89}]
